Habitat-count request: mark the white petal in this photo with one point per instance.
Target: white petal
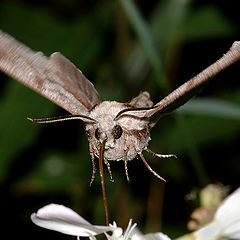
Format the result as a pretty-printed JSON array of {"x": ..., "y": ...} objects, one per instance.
[
  {"x": 137, "y": 235},
  {"x": 228, "y": 215},
  {"x": 156, "y": 236},
  {"x": 233, "y": 231},
  {"x": 65, "y": 220},
  {"x": 230, "y": 207},
  {"x": 133, "y": 233},
  {"x": 60, "y": 212},
  {"x": 226, "y": 221},
  {"x": 210, "y": 232},
  {"x": 150, "y": 236}
]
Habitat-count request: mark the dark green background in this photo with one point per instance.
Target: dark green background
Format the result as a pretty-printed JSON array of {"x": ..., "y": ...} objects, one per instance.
[{"x": 123, "y": 49}]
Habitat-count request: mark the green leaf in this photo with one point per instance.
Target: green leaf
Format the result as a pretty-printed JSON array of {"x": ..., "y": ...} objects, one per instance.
[
  {"x": 17, "y": 132},
  {"x": 207, "y": 22},
  {"x": 53, "y": 172},
  {"x": 143, "y": 32},
  {"x": 211, "y": 107}
]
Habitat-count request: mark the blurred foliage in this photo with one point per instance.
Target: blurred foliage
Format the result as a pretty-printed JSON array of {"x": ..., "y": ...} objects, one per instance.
[{"x": 123, "y": 47}]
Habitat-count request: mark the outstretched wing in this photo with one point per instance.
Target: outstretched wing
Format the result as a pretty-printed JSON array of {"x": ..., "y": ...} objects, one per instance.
[
  {"x": 56, "y": 78},
  {"x": 142, "y": 100},
  {"x": 186, "y": 91}
]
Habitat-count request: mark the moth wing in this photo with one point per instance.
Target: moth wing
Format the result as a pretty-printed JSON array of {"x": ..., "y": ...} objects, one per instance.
[
  {"x": 165, "y": 106},
  {"x": 141, "y": 101},
  {"x": 175, "y": 99},
  {"x": 168, "y": 104},
  {"x": 56, "y": 78},
  {"x": 75, "y": 79},
  {"x": 186, "y": 91}
]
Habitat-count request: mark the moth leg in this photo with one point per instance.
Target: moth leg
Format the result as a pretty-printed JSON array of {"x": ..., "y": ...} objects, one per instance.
[
  {"x": 160, "y": 155},
  {"x": 125, "y": 160},
  {"x": 139, "y": 152},
  {"x": 125, "y": 165},
  {"x": 91, "y": 150},
  {"x": 149, "y": 168},
  {"x": 109, "y": 169}
]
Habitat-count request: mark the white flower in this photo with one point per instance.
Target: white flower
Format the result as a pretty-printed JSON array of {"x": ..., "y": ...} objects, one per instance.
[
  {"x": 65, "y": 220},
  {"x": 226, "y": 222},
  {"x": 151, "y": 236}
]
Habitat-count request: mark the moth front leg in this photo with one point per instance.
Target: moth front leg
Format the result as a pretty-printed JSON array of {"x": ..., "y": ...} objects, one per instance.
[
  {"x": 92, "y": 154},
  {"x": 109, "y": 169},
  {"x": 126, "y": 148}
]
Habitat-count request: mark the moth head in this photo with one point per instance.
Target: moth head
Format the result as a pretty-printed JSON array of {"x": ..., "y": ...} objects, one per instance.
[
  {"x": 108, "y": 135},
  {"x": 114, "y": 133},
  {"x": 105, "y": 129}
]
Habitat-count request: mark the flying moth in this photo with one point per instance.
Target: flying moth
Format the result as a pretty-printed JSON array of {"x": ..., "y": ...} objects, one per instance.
[{"x": 119, "y": 131}]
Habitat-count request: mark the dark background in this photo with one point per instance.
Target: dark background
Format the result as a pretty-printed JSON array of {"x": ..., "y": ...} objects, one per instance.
[{"x": 40, "y": 164}]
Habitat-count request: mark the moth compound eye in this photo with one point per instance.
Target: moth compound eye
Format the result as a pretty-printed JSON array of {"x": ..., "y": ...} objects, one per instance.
[
  {"x": 97, "y": 134},
  {"x": 117, "y": 131}
]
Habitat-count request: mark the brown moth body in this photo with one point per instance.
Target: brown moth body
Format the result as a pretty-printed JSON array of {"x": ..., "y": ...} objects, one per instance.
[{"x": 122, "y": 135}]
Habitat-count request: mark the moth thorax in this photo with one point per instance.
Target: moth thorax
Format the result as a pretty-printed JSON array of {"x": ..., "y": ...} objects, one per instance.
[{"x": 123, "y": 137}]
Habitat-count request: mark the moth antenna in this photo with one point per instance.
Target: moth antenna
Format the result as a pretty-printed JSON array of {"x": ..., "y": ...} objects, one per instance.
[
  {"x": 149, "y": 168},
  {"x": 91, "y": 150},
  {"x": 160, "y": 155},
  {"x": 63, "y": 118},
  {"x": 109, "y": 170}
]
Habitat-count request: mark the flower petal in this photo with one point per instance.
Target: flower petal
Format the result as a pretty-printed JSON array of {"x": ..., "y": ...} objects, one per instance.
[
  {"x": 228, "y": 215},
  {"x": 226, "y": 221},
  {"x": 156, "y": 236},
  {"x": 65, "y": 220},
  {"x": 210, "y": 232},
  {"x": 150, "y": 236},
  {"x": 233, "y": 231}
]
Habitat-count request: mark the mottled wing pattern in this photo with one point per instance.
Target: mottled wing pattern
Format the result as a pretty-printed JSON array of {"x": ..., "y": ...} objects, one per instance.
[{"x": 56, "y": 78}]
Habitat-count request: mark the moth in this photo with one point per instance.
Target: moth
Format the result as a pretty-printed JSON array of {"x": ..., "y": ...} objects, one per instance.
[{"x": 120, "y": 131}]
